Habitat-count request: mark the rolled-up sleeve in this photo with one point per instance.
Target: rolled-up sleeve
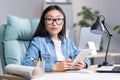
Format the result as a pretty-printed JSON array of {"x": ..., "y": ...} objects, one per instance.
[{"x": 31, "y": 52}]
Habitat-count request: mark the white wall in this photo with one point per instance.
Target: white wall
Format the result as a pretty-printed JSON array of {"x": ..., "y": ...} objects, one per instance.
[
  {"x": 110, "y": 9},
  {"x": 22, "y": 8},
  {"x": 29, "y": 9},
  {"x": 32, "y": 8}
]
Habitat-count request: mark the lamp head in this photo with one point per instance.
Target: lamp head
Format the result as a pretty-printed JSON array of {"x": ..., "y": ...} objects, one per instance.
[{"x": 98, "y": 26}]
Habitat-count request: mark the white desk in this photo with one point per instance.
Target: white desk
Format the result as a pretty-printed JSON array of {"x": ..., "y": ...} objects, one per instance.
[
  {"x": 71, "y": 76},
  {"x": 99, "y": 58},
  {"x": 80, "y": 76}
]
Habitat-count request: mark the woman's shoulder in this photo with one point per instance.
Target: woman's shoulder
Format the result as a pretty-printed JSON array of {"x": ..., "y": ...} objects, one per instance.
[
  {"x": 38, "y": 38},
  {"x": 67, "y": 38}
]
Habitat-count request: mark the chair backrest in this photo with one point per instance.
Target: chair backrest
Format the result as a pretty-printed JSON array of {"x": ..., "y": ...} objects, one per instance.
[{"x": 15, "y": 39}]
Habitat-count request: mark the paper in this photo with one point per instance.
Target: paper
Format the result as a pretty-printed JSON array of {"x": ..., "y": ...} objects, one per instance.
[
  {"x": 82, "y": 55},
  {"x": 91, "y": 46},
  {"x": 26, "y": 71}
]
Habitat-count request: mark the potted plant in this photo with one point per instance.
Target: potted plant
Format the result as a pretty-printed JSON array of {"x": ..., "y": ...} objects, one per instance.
[
  {"x": 117, "y": 27},
  {"x": 87, "y": 18}
]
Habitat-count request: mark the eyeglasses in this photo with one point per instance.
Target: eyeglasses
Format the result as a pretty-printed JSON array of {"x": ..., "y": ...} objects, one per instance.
[{"x": 58, "y": 21}]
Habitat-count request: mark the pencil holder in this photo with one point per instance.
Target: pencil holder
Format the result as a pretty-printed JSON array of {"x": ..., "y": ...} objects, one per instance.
[{"x": 42, "y": 65}]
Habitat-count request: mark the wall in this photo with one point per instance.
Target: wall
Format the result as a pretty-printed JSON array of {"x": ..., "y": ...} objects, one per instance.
[
  {"x": 32, "y": 8},
  {"x": 22, "y": 8},
  {"x": 108, "y": 8},
  {"x": 29, "y": 9}
]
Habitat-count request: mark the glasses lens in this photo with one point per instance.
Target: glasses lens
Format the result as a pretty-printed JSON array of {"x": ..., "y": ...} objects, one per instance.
[
  {"x": 57, "y": 20},
  {"x": 49, "y": 20}
]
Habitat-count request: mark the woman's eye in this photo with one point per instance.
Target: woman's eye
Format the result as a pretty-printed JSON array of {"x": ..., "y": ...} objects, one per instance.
[
  {"x": 49, "y": 19},
  {"x": 57, "y": 19}
]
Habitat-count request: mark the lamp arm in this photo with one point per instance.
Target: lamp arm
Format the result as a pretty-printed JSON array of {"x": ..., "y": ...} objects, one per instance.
[
  {"x": 106, "y": 63},
  {"x": 110, "y": 35},
  {"x": 107, "y": 30}
]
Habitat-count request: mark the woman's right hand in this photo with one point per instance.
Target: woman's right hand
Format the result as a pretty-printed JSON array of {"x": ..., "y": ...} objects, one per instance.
[{"x": 63, "y": 65}]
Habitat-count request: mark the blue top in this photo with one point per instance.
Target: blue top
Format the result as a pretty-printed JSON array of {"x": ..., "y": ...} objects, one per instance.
[{"x": 45, "y": 46}]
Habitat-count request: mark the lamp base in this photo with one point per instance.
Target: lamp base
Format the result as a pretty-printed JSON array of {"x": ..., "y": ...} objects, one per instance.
[{"x": 105, "y": 64}]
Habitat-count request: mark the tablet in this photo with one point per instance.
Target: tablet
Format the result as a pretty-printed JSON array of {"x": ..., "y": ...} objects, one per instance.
[{"x": 82, "y": 55}]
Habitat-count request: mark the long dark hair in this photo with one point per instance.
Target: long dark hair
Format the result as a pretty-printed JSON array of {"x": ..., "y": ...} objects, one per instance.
[{"x": 41, "y": 30}]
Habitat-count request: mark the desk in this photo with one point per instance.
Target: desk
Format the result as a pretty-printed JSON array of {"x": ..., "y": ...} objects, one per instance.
[
  {"x": 71, "y": 76},
  {"x": 81, "y": 76},
  {"x": 101, "y": 54},
  {"x": 99, "y": 58},
  {"x": 68, "y": 76},
  {"x": 11, "y": 77}
]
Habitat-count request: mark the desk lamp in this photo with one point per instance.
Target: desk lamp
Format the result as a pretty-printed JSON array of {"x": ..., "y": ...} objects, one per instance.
[{"x": 98, "y": 28}]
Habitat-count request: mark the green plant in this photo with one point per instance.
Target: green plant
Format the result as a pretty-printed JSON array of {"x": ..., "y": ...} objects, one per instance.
[
  {"x": 117, "y": 27},
  {"x": 88, "y": 17}
]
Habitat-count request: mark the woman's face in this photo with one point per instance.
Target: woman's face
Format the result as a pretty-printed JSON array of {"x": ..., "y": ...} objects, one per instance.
[{"x": 54, "y": 21}]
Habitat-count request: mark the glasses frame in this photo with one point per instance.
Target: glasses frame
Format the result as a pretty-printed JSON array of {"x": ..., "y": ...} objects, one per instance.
[{"x": 54, "y": 20}]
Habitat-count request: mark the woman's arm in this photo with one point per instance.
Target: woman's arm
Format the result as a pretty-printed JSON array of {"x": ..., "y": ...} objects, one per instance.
[
  {"x": 32, "y": 52},
  {"x": 81, "y": 64}
]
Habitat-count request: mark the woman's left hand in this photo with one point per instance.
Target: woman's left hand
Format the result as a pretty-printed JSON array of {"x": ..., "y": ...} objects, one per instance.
[{"x": 80, "y": 65}]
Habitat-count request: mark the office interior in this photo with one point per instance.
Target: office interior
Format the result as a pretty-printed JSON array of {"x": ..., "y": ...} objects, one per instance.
[{"x": 33, "y": 9}]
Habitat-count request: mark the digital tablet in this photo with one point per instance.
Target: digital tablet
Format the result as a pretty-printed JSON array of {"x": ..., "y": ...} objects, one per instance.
[{"x": 82, "y": 55}]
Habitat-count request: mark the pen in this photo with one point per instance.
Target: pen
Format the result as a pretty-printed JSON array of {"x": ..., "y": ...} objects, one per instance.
[
  {"x": 58, "y": 61},
  {"x": 38, "y": 64},
  {"x": 33, "y": 61},
  {"x": 61, "y": 61}
]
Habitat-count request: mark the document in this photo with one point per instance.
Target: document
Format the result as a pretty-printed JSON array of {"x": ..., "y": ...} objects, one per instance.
[
  {"x": 82, "y": 55},
  {"x": 92, "y": 46},
  {"x": 26, "y": 71}
]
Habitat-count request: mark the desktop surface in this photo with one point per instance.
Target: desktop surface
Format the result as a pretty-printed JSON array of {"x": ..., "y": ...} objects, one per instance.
[
  {"x": 86, "y": 74},
  {"x": 89, "y": 74},
  {"x": 80, "y": 76}
]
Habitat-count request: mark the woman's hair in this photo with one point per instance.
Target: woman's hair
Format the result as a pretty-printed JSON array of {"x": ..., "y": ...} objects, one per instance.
[{"x": 41, "y": 29}]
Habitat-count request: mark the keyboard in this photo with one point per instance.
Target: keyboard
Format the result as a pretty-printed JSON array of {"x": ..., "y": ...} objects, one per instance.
[{"x": 109, "y": 69}]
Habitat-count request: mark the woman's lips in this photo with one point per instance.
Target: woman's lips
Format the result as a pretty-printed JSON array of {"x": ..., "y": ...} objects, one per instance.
[{"x": 54, "y": 28}]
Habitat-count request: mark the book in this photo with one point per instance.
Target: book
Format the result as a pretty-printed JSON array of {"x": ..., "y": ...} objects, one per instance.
[{"x": 26, "y": 71}]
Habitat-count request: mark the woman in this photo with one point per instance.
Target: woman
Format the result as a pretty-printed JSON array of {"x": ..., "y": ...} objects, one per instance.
[{"x": 50, "y": 43}]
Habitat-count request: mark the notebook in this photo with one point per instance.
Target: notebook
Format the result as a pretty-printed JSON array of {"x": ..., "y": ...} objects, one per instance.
[{"x": 109, "y": 69}]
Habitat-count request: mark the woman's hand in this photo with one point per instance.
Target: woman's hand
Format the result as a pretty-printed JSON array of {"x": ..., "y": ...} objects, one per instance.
[
  {"x": 62, "y": 66},
  {"x": 80, "y": 65}
]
